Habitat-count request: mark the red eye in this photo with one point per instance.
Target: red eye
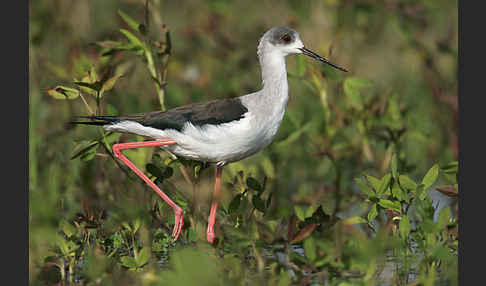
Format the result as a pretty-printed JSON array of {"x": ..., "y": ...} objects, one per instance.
[{"x": 286, "y": 38}]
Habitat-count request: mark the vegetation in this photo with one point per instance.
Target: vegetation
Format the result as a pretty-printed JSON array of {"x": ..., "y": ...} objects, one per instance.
[{"x": 343, "y": 196}]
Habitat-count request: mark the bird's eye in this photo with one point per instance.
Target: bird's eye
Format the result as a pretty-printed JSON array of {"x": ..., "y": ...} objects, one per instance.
[{"x": 286, "y": 38}]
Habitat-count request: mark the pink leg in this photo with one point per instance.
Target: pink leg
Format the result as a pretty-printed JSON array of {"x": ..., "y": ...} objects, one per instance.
[
  {"x": 214, "y": 206},
  {"x": 117, "y": 148}
]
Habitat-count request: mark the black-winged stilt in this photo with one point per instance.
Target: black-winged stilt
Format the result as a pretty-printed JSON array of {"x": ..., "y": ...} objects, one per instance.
[{"x": 217, "y": 131}]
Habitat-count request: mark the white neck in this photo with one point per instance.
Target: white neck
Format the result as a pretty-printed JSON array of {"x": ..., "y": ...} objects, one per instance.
[{"x": 274, "y": 77}]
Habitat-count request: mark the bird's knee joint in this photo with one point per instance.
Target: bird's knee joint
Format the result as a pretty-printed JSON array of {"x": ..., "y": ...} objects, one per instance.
[
  {"x": 178, "y": 211},
  {"x": 116, "y": 151}
]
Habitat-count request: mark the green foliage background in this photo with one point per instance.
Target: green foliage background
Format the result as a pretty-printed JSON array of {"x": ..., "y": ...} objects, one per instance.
[{"x": 90, "y": 223}]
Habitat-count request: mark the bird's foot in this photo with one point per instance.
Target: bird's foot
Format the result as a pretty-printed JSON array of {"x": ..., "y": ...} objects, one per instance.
[
  {"x": 210, "y": 235},
  {"x": 179, "y": 222}
]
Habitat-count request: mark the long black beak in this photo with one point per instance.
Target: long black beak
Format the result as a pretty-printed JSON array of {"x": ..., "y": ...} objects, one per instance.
[{"x": 311, "y": 54}]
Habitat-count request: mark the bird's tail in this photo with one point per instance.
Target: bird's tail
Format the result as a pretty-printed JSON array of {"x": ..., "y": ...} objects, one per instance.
[{"x": 96, "y": 120}]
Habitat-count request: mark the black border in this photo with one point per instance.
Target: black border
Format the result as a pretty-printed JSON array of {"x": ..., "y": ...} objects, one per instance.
[
  {"x": 15, "y": 152},
  {"x": 471, "y": 143}
]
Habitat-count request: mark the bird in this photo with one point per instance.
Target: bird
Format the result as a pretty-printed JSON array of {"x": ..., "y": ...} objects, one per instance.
[{"x": 220, "y": 131}]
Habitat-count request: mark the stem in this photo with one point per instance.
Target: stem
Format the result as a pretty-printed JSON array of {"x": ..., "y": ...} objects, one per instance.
[
  {"x": 195, "y": 185},
  {"x": 86, "y": 104},
  {"x": 251, "y": 213},
  {"x": 185, "y": 175},
  {"x": 161, "y": 96},
  {"x": 97, "y": 103},
  {"x": 146, "y": 16},
  {"x": 135, "y": 252},
  {"x": 153, "y": 73},
  {"x": 258, "y": 258},
  {"x": 105, "y": 145},
  {"x": 62, "y": 268},
  {"x": 159, "y": 75},
  {"x": 71, "y": 274},
  {"x": 337, "y": 186}
]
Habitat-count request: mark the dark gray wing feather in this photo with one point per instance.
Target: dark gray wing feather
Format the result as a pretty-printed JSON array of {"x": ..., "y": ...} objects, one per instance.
[{"x": 210, "y": 112}]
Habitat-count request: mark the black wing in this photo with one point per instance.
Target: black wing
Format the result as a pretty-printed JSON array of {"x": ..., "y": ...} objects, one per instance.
[{"x": 210, "y": 112}]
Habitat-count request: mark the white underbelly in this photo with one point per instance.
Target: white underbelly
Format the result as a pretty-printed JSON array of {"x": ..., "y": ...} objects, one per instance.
[{"x": 224, "y": 143}]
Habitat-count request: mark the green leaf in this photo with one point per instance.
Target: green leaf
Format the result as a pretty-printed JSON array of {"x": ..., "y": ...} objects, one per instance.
[
  {"x": 258, "y": 203},
  {"x": 407, "y": 183},
  {"x": 363, "y": 187},
  {"x": 309, "y": 211},
  {"x": 384, "y": 183},
  {"x": 128, "y": 261},
  {"x": 372, "y": 213},
  {"x": 390, "y": 205},
  {"x": 67, "y": 247},
  {"x": 397, "y": 192},
  {"x": 451, "y": 168},
  {"x": 143, "y": 256},
  {"x": 352, "y": 90},
  {"x": 127, "y": 226},
  {"x": 117, "y": 240},
  {"x": 394, "y": 166},
  {"x": 440, "y": 252},
  {"x": 404, "y": 226},
  {"x": 110, "y": 83},
  {"x": 431, "y": 176},
  {"x": 444, "y": 216},
  {"x": 284, "y": 278},
  {"x": 254, "y": 184},
  {"x": 88, "y": 90},
  {"x": 374, "y": 182},
  {"x": 96, "y": 86},
  {"x": 269, "y": 200},
  {"x": 62, "y": 92},
  {"x": 129, "y": 20},
  {"x": 429, "y": 226},
  {"x": 420, "y": 192},
  {"x": 112, "y": 137},
  {"x": 61, "y": 243},
  {"x": 87, "y": 152},
  {"x": 354, "y": 220},
  {"x": 299, "y": 212},
  {"x": 310, "y": 248},
  {"x": 234, "y": 204},
  {"x": 110, "y": 47},
  {"x": 109, "y": 44},
  {"x": 451, "y": 178},
  {"x": 136, "y": 225},
  {"x": 67, "y": 228},
  {"x": 133, "y": 39},
  {"x": 197, "y": 169},
  {"x": 92, "y": 75}
]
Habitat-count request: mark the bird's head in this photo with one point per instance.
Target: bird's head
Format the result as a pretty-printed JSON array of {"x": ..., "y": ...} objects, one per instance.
[{"x": 285, "y": 41}]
